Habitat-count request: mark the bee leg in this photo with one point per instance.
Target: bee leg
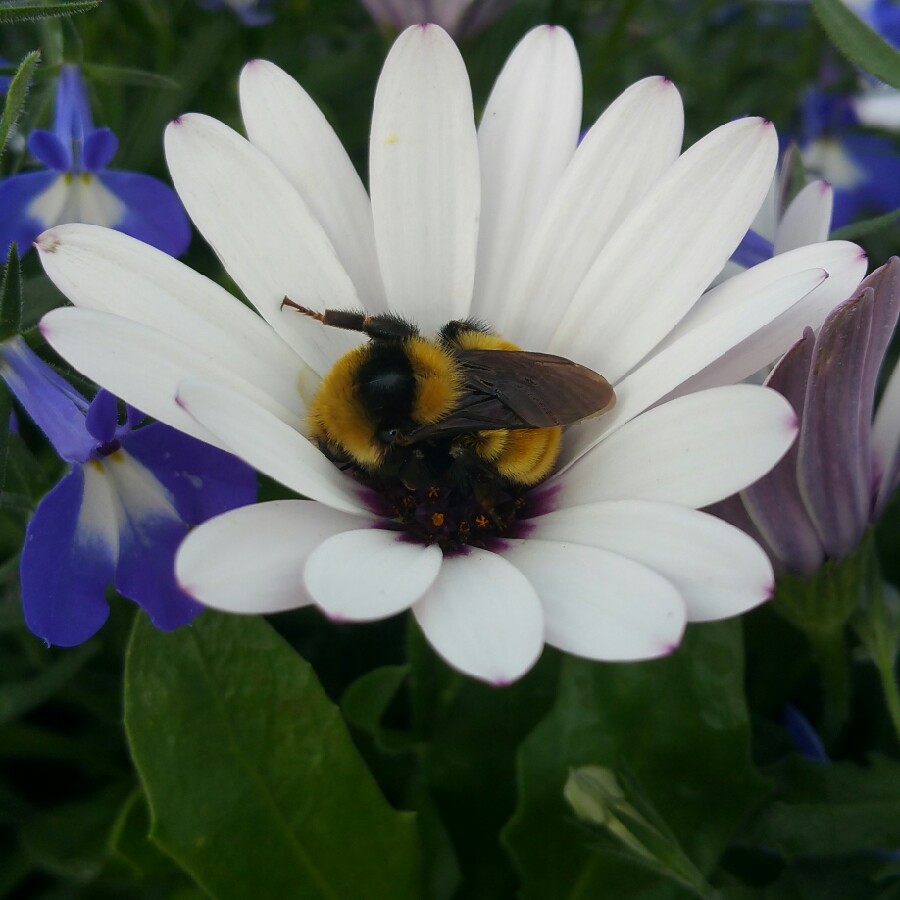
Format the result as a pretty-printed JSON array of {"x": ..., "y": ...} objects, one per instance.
[{"x": 381, "y": 328}]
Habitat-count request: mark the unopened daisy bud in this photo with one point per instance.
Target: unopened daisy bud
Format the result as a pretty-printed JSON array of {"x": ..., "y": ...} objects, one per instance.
[
  {"x": 461, "y": 18},
  {"x": 817, "y": 503},
  {"x": 597, "y": 797}
]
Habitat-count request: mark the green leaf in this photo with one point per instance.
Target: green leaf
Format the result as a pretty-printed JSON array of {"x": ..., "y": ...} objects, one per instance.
[
  {"x": 5, "y": 412},
  {"x": 253, "y": 782},
  {"x": 130, "y": 842},
  {"x": 72, "y": 840},
  {"x": 860, "y": 229},
  {"x": 35, "y": 9},
  {"x": 15, "y": 96},
  {"x": 17, "y": 698},
  {"x": 857, "y": 42},
  {"x": 678, "y": 726},
  {"x": 827, "y": 809},
  {"x": 366, "y": 701},
  {"x": 122, "y": 75},
  {"x": 11, "y": 295}
]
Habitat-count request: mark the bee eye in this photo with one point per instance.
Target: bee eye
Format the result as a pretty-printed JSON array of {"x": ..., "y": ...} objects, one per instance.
[{"x": 388, "y": 435}]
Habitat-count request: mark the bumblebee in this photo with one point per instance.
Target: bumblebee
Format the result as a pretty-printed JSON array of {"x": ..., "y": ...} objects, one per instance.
[{"x": 416, "y": 408}]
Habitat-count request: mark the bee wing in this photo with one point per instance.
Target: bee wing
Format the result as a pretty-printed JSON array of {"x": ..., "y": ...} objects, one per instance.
[{"x": 518, "y": 389}]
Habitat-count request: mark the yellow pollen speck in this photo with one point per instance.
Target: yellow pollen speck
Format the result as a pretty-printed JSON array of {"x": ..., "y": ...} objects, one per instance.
[
  {"x": 437, "y": 519},
  {"x": 391, "y": 138},
  {"x": 481, "y": 521}
]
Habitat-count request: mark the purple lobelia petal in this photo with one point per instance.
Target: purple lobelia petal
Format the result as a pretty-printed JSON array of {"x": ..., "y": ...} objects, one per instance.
[
  {"x": 99, "y": 148},
  {"x": 877, "y": 189},
  {"x": 68, "y": 558},
  {"x": 774, "y": 503},
  {"x": 133, "y": 418},
  {"x": 72, "y": 119},
  {"x": 153, "y": 213},
  {"x": 803, "y": 736},
  {"x": 835, "y": 445},
  {"x": 47, "y": 147},
  {"x": 18, "y": 223},
  {"x": 149, "y": 534},
  {"x": 753, "y": 249},
  {"x": 203, "y": 480},
  {"x": 100, "y": 420},
  {"x": 54, "y": 405}
]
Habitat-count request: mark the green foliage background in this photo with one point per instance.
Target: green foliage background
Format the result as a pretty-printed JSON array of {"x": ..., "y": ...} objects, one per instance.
[{"x": 241, "y": 758}]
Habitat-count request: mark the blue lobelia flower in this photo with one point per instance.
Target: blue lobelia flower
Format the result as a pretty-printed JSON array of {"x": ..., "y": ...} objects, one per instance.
[
  {"x": 882, "y": 16},
  {"x": 77, "y": 186},
  {"x": 5, "y": 80},
  {"x": 250, "y": 12},
  {"x": 121, "y": 511},
  {"x": 863, "y": 168}
]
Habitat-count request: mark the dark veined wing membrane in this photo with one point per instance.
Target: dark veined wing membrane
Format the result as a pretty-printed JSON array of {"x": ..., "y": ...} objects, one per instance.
[{"x": 518, "y": 389}]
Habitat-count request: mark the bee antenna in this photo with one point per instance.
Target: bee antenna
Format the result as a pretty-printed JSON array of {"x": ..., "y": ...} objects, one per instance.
[{"x": 319, "y": 317}]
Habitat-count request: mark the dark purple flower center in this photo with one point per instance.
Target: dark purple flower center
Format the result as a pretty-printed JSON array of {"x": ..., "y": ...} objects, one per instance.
[
  {"x": 453, "y": 500},
  {"x": 107, "y": 448}
]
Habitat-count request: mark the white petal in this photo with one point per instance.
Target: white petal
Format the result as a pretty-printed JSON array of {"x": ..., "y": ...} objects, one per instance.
[
  {"x": 251, "y": 560},
  {"x": 78, "y": 199},
  {"x": 694, "y": 349},
  {"x": 268, "y": 444},
  {"x": 656, "y": 265},
  {"x": 526, "y": 139},
  {"x": 137, "y": 363},
  {"x": 370, "y": 574},
  {"x": 886, "y": 441},
  {"x": 692, "y": 451},
  {"x": 879, "y": 108},
  {"x": 619, "y": 160},
  {"x": 263, "y": 232},
  {"x": 284, "y": 122},
  {"x": 98, "y": 515},
  {"x": 111, "y": 272},
  {"x": 718, "y": 570},
  {"x": 600, "y": 605},
  {"x": 423, "y": 165},
  {"x": 846, "y": 266},
  {"x": 807, "y": 220},
  {"x": 483, "y": 617}
]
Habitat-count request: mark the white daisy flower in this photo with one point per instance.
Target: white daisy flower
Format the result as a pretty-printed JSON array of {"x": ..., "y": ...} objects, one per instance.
[{"x": 598, "y": 251}]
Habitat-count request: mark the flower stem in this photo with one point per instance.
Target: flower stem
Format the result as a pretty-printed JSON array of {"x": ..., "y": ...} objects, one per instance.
[
  {"x": 891, "y": 692},
  {"x": 831, "y": 656}
]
